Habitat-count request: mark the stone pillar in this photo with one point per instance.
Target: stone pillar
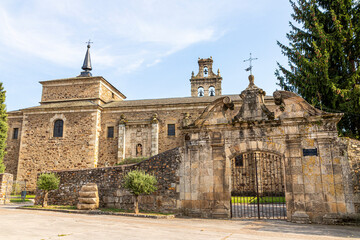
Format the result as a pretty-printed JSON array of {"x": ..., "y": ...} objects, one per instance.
[
  {"x": 294, "y": 186},
  {"x": 204, "y": 178},
  {"x": 333, "y": 184},
  {"x": 221, "y": 173},
  {"x": 121, "y": 142},
  {"x": 154, "y": 138},
  {"x": 6, "y": 182}
]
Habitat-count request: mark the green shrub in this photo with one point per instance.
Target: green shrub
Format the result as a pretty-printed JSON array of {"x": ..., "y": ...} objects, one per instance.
[
  {"x": 139, "y": 183},
  {"x": 47, "y": 182}
]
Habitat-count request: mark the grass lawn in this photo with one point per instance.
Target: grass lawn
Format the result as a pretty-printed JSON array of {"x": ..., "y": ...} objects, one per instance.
[
  {"x": 115, "y": 210},
  {"x": 132, "y": 211},
  {"x": 17, "y": 198},
  {"x": 53, "y": 207},
  {"x": 253, "y": 200}
]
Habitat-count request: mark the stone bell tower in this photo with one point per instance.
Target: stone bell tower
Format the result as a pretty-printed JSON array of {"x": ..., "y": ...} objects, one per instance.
[{"x": 206, "y": 82}]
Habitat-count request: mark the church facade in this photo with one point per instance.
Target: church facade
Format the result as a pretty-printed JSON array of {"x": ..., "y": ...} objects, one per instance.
[{"x": 85, "y": 122}]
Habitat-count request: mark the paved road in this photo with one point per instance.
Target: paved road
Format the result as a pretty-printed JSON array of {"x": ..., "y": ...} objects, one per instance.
[
  {"x": 267, "y": 211},
  {"x": 37, "y": 225}
]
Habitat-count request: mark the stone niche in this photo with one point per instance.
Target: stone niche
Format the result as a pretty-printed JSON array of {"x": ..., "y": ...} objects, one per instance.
[{"x": 138, "y": 138}]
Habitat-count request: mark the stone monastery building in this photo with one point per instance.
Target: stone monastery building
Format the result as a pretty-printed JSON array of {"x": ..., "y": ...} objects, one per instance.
[
  {"x": 85, "y": 122},
  {"x": 252, "y": 147}
]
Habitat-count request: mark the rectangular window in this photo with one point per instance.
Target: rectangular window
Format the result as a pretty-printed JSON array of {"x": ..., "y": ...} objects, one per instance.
[
  {"x": 110, "y": 132},
  {"x": 15, "y": 133},
  {"x": 171, "y": 129}
]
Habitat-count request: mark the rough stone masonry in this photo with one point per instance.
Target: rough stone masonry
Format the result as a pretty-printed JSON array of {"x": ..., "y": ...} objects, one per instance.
[{"x": 195, "y": 179}]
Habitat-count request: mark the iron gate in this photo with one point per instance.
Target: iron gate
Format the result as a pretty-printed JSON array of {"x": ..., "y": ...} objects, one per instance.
[{"x": 258, "y": 186}]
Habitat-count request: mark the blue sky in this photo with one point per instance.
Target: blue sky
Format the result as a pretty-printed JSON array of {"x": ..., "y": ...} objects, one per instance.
[{"x": 145, "y": 48}]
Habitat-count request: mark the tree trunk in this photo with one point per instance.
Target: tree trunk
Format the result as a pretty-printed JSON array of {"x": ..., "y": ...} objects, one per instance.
[
  {"x": 45, "y": 199},
  {"x": 136, "y": 204}
]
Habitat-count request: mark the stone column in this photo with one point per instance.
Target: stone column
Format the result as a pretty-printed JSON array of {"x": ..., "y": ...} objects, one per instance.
[
  {"x": 294, "y": 186},
  {"x": 121, "y": 142},
  {"x": 154, "y": 138}
]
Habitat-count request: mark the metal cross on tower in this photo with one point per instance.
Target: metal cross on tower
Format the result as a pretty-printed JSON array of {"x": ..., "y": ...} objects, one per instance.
[
  {"x": 88, "y": 43},
  {"x": 250, "y": 67}
]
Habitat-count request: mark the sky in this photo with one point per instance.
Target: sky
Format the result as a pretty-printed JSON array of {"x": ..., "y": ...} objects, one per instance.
[{"x": 145, "y": 48}]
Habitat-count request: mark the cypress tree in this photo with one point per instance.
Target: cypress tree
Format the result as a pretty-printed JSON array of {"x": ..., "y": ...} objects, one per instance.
[
  {"x": 3, "y": 127},
  {"x": 324, "y": 58}
]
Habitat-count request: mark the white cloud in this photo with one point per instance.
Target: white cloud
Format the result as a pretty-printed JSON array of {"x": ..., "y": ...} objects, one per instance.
[{"x": 127, "y": 32}]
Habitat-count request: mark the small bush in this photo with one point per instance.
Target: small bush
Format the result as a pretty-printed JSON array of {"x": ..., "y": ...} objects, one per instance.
[
  {"x": 139, "y": 183},
  {"x": 47, "y": 182}
]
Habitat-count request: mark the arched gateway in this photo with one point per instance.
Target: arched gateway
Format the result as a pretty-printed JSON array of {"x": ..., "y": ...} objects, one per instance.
[
  {"x": 279, "y": 161},
  {"x": 257, "y": 186}
]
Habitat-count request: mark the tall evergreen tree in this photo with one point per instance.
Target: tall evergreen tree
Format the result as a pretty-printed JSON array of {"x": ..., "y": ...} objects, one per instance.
[
  {"x": 324, "y": 58},
  {"x": 3, "y": 127}
]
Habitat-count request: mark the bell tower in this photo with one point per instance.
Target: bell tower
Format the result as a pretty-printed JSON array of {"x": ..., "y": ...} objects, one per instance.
[{"x": 206, "y": 82}]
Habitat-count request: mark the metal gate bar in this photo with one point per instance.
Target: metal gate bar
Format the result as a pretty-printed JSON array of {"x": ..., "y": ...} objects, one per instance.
[{"x": 258, "y": 186}]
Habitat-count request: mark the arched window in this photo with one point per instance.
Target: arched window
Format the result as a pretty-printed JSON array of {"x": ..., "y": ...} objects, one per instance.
[
  {"x": 200, "y": 92},
  {"x": 211, "y": 91},
  {"x": 58, "y": 128},
  {"x": 206, "y": 72}
]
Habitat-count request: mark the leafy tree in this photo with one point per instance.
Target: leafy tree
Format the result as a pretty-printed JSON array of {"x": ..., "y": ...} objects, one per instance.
[
  {"x": 47, "y": 182},
  {"x": 138, "y": 183},
  {"x": 324, "y": 58},
  {"x": 3, "y": 128}
]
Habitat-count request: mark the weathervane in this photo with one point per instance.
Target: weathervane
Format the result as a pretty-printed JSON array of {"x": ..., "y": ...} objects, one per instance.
[
  {"x": 250, "y": 67},
  {"x": 88, "y": 43}
]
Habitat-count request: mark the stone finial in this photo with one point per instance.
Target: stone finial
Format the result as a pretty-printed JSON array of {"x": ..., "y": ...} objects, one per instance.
[
  {"x": 88, "y": 197},
  {"x": 123, "y": 119},
  {"x": 154, "y": 118},
  {"x": 253, "y": 107},
  {"x": 251, "y": 80},
  {"x": 218, "y": 72},
  {"x": 192, "y": 74}
]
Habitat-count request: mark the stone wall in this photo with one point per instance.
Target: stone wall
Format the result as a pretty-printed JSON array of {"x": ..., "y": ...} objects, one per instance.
[
  {"x": 13, "y": 145},
  {"x": 107, "y": 95},
  {"x": 70, "y": 89},
  {"x": 40, "y": 151},
  {"x": 353, "y": 153},
  {"x": 109, "y": 181},
  {"x": 138, "y": 130},
  {"x": 6, "y": 182}
]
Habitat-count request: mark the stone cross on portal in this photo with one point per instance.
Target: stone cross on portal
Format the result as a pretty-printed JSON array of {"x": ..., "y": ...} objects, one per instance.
[{"x": 250, "y": 60}]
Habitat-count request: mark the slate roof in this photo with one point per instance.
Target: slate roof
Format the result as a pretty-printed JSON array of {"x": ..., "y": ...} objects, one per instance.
[
  {"x": 166, "y": 101},
  {"x": 135, "y": 103}
]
